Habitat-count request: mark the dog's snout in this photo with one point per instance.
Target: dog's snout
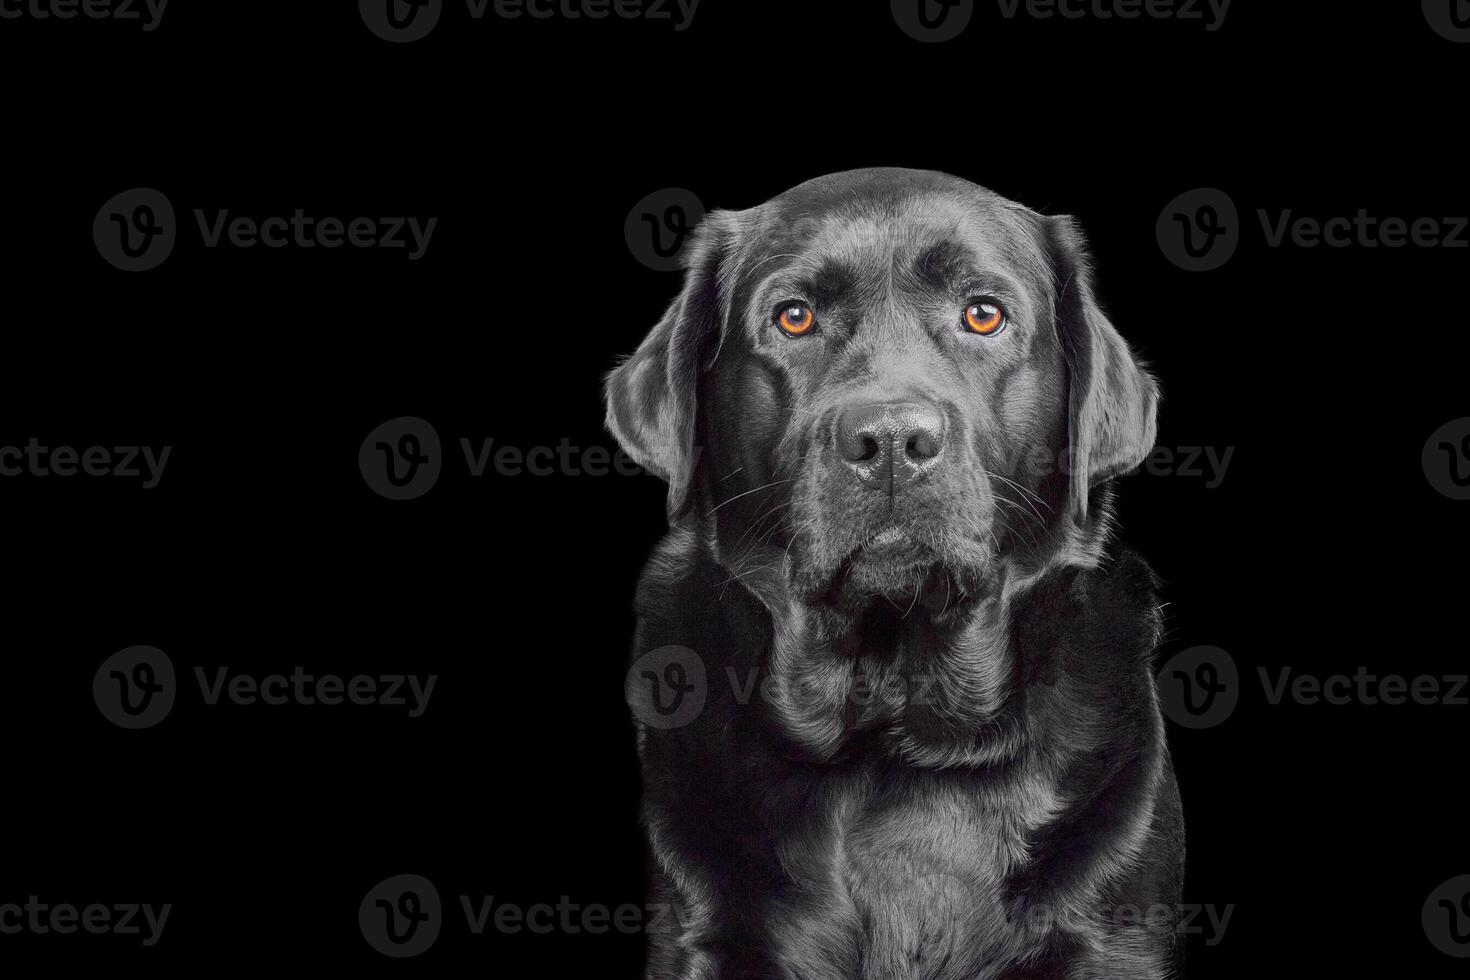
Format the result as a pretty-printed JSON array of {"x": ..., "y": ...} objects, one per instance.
[{"x": 890, "y": 444}]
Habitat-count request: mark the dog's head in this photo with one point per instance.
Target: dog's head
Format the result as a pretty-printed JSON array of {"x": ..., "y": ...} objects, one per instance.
[
  {"x": 907, "y": 403},
  {"x": 899, "y": 382}
]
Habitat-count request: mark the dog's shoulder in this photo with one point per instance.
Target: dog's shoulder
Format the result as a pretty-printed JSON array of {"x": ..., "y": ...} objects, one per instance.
[
  {"x": 1085, "y": 618},
  {"x": 678, "y": 573}
]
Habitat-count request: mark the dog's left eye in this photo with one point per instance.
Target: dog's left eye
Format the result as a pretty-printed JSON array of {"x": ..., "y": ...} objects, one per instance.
[
  {"x": 985, "y": 317},
  {"x": 796, "y": 319}
]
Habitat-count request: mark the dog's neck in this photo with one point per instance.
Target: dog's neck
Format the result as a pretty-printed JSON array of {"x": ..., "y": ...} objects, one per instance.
[
  {"x": 892, "y": 672},
  {"x": 935, "y": 689}
]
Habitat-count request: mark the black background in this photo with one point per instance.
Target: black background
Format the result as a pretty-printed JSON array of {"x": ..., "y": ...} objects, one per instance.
[{"x": 1324, "y": 548}]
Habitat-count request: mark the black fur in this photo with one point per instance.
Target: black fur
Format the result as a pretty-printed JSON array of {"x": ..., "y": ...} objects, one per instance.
[{"x": 929, "y": 744}]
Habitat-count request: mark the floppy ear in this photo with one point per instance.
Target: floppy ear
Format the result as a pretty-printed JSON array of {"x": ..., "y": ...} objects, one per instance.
[
  {"x": 1112, "y": 401},
  {"x": 651, "y": 396}
]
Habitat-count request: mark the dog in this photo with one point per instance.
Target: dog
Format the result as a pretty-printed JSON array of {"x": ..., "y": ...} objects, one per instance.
[{"x": 926, "y": 740}]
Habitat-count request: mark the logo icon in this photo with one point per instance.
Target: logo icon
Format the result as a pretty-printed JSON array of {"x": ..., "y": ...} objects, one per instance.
[
  {"x": 659, "y": 225},
  {"x": 134, "y": 688},
  {"x": 1446, "y": 459},
  {"x": 933, "y": 21},
  {"x": 1199, "y": 230},
  {"x": 135, "y": 230},
  {"x": 1446, "y": 917},
  {"x": 400, "y": 459},
  {"x": 1199, "y": 687},
  {"x": 401, "y": 916},
  {"x": 666, "y": 687},
  {"x": 1449, "y": 18},
  {"x": 400, "y": 21}
]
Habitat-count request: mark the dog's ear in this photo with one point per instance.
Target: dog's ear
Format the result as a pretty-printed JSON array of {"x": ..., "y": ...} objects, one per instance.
[
  {"x": 651, "y": 396},
  {"x": 1112, "y": 400}
]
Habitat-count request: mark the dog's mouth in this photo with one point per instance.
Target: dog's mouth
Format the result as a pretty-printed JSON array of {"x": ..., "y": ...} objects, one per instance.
[{"x": 899, "y": 567}]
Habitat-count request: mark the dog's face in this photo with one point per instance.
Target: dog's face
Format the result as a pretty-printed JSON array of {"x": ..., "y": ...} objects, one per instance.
[
  {"x": 889, "y": 366},
  {"x": 902, "y": 392},
  {"x": 898, "y": 380}
]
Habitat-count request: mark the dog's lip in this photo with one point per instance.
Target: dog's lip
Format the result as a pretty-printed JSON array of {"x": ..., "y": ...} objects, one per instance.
[
  {"x": 890, "y": 542},
  {"x": 893, "y": 548}
]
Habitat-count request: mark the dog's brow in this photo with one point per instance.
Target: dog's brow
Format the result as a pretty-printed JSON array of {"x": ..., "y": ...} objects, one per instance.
[
  {"x": 823, "y": 285},
  {"x": 949, "y": 267},
  {"x": 939, "y": 266}
]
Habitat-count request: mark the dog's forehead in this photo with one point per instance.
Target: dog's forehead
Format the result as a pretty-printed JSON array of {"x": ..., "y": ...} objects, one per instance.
[{"x": 871, "y": 222}]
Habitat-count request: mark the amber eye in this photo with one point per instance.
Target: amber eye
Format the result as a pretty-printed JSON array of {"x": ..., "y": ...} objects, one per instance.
[
  {"x": 796, "y": 319},
  {"x": 985, "y": 318}
]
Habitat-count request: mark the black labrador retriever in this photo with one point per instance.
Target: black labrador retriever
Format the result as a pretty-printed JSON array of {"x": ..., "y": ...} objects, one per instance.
[{"x": 894, "y": 693}]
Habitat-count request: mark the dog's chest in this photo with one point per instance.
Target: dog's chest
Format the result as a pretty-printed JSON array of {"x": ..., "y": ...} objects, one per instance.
[{"x": 919, "y": 882}]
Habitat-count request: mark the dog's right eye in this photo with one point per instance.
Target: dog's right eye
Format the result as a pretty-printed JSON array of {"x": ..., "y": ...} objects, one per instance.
[{"x": 795, "y": 319}]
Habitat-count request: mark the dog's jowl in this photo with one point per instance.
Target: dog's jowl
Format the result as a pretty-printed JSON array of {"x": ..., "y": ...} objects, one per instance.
[{"x": 889, "y": 407}]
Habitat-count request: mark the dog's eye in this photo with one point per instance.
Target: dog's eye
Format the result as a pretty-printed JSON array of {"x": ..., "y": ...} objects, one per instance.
[
  {"x": 796, "y": 319},
  {"x": 985, "y": 317}
]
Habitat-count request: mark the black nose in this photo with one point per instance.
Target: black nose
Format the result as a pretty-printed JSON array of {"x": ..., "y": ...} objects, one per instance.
[{"x": 890, "y": 444}]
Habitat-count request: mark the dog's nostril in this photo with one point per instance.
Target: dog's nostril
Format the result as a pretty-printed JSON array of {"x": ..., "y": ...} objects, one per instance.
[
  {"x": 923, "y": 444},
  {"x": 870, "y": 450}
]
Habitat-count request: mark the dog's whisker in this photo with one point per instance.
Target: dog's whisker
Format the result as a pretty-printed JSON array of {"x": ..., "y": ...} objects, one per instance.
[
  {"x": 1029, "y": 496},
  {"x": 746, "y": 494}
]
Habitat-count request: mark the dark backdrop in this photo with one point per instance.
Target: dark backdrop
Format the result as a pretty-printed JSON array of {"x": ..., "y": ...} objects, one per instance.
[{"x": 1322, "y": 828}]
